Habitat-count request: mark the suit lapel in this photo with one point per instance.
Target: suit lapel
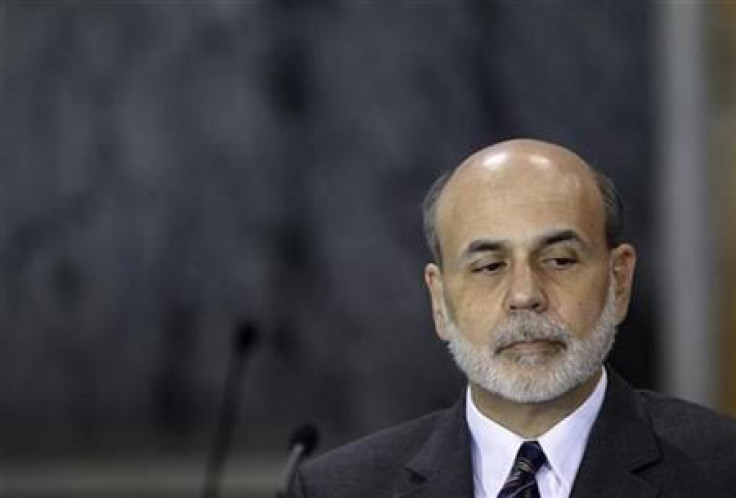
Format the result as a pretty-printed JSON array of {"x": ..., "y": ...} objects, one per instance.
[
  {"x": 621, "y": 442},
  {"x": 442, "y": 467}
]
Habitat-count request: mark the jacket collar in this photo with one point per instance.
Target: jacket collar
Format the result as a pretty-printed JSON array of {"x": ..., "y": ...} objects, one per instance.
[
  {"x": 442, "y": 466},
  {"x": 621, "y": 442}
]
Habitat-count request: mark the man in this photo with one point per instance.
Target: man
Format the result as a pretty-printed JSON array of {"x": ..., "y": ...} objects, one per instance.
[{"x": 529, "y": 282}]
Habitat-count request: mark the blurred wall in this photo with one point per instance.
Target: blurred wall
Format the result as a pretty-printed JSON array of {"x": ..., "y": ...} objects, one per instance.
[
  {"x": 171, "y": 169},
  {"x": 722, "y": 44}
]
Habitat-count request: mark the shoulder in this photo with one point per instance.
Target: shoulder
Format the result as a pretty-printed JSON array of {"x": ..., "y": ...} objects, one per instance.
[
  {"x": 371, "y": 466},
  {"x": 382, "y": 450},
  {"x": 690, "y": 429},
  {"x": 394, "y": 460}
]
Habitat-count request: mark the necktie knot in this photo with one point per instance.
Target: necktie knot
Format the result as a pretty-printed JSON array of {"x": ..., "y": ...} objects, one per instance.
[
  {"x": 521, "y": 482},
  {"x": 530, "y": 457}
]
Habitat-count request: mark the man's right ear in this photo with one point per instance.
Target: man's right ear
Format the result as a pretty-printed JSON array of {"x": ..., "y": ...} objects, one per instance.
[{"x": 433, "y": 279}]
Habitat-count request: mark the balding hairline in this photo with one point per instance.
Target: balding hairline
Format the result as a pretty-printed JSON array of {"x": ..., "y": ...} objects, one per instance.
[{"x": 612, "y": 207}]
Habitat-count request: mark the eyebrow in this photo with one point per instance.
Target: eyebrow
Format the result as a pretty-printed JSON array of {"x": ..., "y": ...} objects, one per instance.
[
  {"x": 545, "y": 240},
  {"x": 560, "y": 236},
  {"x": 484, "y": 245}
]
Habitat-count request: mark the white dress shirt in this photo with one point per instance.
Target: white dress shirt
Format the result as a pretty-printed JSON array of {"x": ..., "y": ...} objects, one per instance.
[{"x": 494, "y": 448}]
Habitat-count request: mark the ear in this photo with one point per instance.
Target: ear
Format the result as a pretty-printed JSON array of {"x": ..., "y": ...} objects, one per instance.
[
  {"x": 623, "y": 262},
  {"x": 433, "y": 279}
]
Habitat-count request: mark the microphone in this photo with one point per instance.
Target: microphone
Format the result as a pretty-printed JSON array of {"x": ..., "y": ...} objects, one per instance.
[
  {"x": 302, "y": 443},
  {"x": 244, "y": 340}
]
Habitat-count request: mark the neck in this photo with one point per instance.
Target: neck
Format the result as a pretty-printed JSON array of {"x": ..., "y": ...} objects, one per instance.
[{"x": 531, "y": 420}]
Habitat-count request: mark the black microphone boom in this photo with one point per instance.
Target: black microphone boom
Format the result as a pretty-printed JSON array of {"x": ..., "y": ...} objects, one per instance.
[
  {"x": 245, "y": 338},
  {"x": 302, "y": 443}
]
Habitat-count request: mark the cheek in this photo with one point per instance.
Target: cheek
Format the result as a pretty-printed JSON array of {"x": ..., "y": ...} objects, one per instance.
[
  {"x": 475, "y": 312},
  {"x": 582, "y": 316},
  {"x": 581, "y": 310}
]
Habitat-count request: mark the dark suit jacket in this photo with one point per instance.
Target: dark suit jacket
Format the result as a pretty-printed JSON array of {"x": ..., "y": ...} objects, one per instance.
[{"x": 642, "y": 444}]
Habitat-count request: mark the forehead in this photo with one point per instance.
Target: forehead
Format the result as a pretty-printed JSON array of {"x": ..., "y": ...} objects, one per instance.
[{"x": 517, "y": 199}]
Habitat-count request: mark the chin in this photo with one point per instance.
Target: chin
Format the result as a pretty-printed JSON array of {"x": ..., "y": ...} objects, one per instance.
[
  {"x": 524, "y": 377},
  {"x": 533, "y": 379}
]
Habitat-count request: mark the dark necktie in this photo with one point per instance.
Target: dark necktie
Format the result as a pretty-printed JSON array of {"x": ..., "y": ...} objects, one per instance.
[{"x": 521, "y": 482}]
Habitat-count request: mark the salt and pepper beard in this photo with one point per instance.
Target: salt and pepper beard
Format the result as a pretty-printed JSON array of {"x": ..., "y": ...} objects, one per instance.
[{"x": 534, "y": 378}]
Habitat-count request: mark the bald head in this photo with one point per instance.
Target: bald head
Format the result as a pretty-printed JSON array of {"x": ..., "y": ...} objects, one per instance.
[{"x": 514, "y": 169}]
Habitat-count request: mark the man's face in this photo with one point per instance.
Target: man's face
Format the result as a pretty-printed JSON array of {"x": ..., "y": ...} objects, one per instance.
[
  {"x": 534, "y": 378},
  {"x": 526, "y": 272}
]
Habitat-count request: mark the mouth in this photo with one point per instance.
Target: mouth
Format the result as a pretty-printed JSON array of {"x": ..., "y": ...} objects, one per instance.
[{"x": 532, "y": 347}]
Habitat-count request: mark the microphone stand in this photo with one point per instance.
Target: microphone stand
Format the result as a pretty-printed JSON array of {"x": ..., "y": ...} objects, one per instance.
[
  {"x": 245, "y": 337},
  {"x": 303, "y": 442}
]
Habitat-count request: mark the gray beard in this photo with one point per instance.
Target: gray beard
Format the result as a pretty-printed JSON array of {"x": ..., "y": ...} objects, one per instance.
[{"x": 534, "y": 378}]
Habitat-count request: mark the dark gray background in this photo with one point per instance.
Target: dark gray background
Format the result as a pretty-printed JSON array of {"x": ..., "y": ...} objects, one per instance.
[{"x": 171, "y": 169}]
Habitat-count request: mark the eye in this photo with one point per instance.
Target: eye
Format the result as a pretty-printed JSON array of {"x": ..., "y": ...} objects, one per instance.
[
  {"x": 560, "y": 263},
  {"x": 492, "y": 267}
]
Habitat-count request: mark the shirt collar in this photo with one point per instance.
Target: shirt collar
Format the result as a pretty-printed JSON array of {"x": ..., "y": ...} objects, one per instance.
[
  {"x": 564, "y": 444},
  {"x": 494, "y": 447}
]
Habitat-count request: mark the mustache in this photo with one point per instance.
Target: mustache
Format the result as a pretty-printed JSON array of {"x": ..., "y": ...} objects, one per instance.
[{"x": 530, "y": 327}]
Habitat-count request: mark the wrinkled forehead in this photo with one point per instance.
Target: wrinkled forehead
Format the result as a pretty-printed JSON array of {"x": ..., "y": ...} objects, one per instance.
[{"x": 519, "y": 196}]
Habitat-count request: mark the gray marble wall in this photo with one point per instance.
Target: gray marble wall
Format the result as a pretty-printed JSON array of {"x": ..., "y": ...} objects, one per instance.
[{"x": 170, "y": 169}]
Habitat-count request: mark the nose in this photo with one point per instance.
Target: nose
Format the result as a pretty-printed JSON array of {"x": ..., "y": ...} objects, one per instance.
[{"x": 525, "y": 293}]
